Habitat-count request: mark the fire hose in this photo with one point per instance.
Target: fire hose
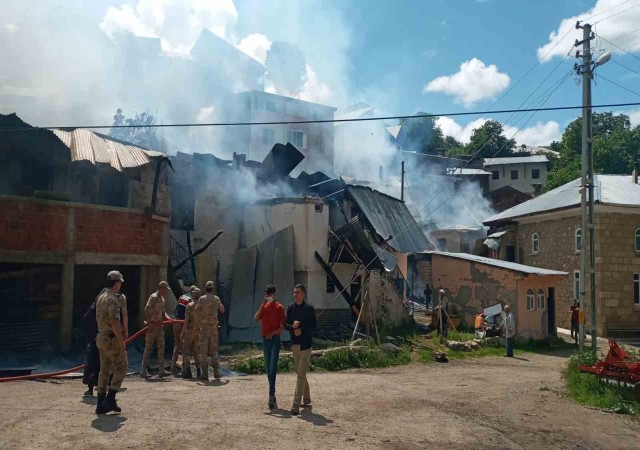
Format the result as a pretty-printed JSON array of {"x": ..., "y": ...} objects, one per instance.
[{"x": 80, "y": 367}]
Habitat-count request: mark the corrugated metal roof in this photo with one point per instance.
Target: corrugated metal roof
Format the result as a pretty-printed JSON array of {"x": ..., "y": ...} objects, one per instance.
[
  {"x": 502, "y": 264},
  {"x": 85, "y": 145},
  {"x": 516, "y": 160},
  {"x": 616, "y": 190},
  {"x": 390, "y": 217},
  {"x": 466, "y": 172}
]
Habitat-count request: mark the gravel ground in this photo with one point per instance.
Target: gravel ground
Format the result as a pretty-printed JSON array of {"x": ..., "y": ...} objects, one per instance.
[{"x": 490, "y": 403}]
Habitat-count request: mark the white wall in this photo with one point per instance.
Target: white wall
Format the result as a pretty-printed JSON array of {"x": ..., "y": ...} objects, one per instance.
[
  {"x": 524, "y": 183},
  {"x": 310, "y": 229}
]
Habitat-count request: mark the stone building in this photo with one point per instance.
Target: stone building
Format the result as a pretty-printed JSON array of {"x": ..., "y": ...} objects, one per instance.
[
  {"x": 76, "y": 204},
  {"x": 546, "y": 232}
]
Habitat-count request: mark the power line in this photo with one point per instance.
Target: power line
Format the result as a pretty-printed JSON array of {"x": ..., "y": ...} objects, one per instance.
[
  {"x": 606, "y": 10},
  {"x": 284, "y": 122},
  {"x": 617, "y": 46},
  {"x": 619, "y": 85},
  {"x": 626, "y": 67},
  {"x": 618, "y": 13}
]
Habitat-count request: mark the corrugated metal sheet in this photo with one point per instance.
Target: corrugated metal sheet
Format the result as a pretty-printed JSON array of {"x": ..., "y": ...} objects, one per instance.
[
  {"x": 85, "y": 145},
  {"x": 390, "y": 217},
  {"x": 280, "y": 161},
  {"x": 354, "y": 232},
  {"x": 516, "y": 160},
  {"x": 619, "y": 190},
  {"x": 502, "y": 264}
]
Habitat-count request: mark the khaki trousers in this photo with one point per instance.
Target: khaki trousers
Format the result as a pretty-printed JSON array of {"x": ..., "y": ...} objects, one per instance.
[
  {"x": 190, "y": 343},
  {"x": 177, "y": 339},
  {"x": 301, "y": 360},
  {"x": 209, "y": 347},
  {"x": 113, "y": 361},
  {"x": 154, "y": 338}
]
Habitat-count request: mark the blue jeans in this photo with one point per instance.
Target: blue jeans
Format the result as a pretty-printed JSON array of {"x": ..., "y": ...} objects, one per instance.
[
  {"x": 271, "y": 354},
  {"x": 510, "y": 347}
]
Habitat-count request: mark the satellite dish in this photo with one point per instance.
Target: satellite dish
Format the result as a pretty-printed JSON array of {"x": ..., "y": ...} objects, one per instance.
[{"x": 604, "y": 58}]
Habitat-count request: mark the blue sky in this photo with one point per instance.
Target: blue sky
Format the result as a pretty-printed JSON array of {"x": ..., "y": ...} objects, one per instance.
[{"x": 386, "y": 52}]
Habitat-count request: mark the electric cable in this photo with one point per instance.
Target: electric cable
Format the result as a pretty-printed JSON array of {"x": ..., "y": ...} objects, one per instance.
[
  {"x": 618, "y": 13},
  {"x": 619, "y": 85}
]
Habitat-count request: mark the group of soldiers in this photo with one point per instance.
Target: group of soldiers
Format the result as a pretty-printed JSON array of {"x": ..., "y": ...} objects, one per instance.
[{"x": 197, "y": 333}]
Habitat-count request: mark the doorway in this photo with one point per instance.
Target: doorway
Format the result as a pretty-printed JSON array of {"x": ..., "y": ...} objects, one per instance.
[
  {"x": 551, "y": 308},
  {"x": 511, "y": 253}
]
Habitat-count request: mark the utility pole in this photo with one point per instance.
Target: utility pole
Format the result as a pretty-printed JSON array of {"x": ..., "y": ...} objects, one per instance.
[
  {"x": 587, "y": 260},
  {"x": 402, "y": 182}
]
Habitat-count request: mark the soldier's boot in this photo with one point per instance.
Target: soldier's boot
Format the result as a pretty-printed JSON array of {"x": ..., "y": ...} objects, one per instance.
[
  {"x": 109, "y": 403},
  {"x": 204, "y": 374},
  {"x": 186, "y": 373},
  {"x": 143, "y": 371},
  {"x": 216, "y": 373},
  {"x": 99, "y": 405},
  {"x": 198, "y": 372},
  {"x": 161, "y": 369},
  {"x": 174, "y": 366}
]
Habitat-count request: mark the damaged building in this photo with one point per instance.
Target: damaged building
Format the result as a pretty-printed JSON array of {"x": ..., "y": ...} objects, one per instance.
[{"x": 76, "y": 205}]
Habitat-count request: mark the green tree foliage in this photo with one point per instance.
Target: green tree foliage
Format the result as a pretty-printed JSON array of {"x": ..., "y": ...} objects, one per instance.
[
  {"x": 489, "y": 141},
  {"x": 453, "y": 147},
  {"x": 422, "y": 135},
  {"x": 146, "y": 137},
  {"x": 616, "y": 149}
]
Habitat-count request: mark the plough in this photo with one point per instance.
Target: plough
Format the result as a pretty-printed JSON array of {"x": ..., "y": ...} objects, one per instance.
[{"x": 619, "y": 365}]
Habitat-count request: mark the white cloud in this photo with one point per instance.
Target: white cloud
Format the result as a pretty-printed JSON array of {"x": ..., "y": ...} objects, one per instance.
[
  {"x": 475, "y": 81},
  {"x": 536, "y": 135},
  {"x": 177, "y": 22},
  {"x": 256, "y": 45},
  {"x": 634, "y": 117},
  {"x": 620, "y": 22}
]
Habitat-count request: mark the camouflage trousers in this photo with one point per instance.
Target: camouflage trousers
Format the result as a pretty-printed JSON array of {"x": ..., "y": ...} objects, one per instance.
[
  {"x": 153, "y": 338},
  {"x": 190, "y": 344},
  {"x": 113, "y": 361},
  {"x": 177, "y": 339},
  {"x": 208, "y": 347}
]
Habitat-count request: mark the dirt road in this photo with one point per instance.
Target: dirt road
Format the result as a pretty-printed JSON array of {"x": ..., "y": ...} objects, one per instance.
[{"x": 491, "y": 403}]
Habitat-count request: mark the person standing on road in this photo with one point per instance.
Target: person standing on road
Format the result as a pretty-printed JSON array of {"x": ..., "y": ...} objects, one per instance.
[
  {"x": 574, "y": 312},
  {"x": 271, "y": 313},
  {"x": 179, "y": 313},
  {"x": 190, "y": 336},
  {"x": 110, "y": 343},
  {"x": 207, "y": 310},
  {"x": 509, "y": 330},
  {"x": 155, "y": 312},
  {"x": 301, "y": 323}
]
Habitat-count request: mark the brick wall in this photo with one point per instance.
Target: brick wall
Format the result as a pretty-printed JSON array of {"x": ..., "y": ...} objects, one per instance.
[
  {"x": 616, "y": 262},
  {"x": 32, "y": 226},
  {"x": 41, "y": 225},
  {"x": 556, "y": 251}
]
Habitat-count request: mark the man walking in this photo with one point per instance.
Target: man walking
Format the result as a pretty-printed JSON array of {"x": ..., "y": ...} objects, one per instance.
[
  {"x": 271, "y": 313},
  {"x": 301, "y": 323},
  {"x": 110, "y": 343},
  {"x": 190, "y": 336},
  {"x": 180, "y": 312},
  {"x": 509, "y": 330},
  {"x": 574, "y": 312},
  {"x": 207, "y": 310},
  {"x": 154, "y": 313}
]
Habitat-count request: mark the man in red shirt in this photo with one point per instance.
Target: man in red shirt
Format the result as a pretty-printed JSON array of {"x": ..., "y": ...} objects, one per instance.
[
  {"x": 574, "y": 311},
  {"x": 271, "y": 313}
]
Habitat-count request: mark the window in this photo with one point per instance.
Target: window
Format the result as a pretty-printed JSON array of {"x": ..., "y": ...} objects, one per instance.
[
  {"x": 578, "y": 240},
  {"x": 270, "y": 106},
  {"x": 297, "y": 138},
  {"x": 535, "y": 243},
  {"x": 541, "y": 299},
  {"x": 535, "y": 173},
  {"x": 638, "y": 239},
  {"x": 531, "y": 300},
  {"x": 442, "y": 244},
  {"x": 576, "y": 284},
  {"x": 495, "y": 174},
  {"x": 267, "y": 136},
  {"x": 636, "y": 289},
  {"x": 514, "y": 174}
]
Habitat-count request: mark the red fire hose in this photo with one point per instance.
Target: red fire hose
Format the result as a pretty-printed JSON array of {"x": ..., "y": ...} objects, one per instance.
[{"x": 80, "y": 367}]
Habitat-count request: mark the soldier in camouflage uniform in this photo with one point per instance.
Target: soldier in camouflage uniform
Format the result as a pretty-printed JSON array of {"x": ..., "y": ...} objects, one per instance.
[
  {"x": 180, "y": 314},
  {"x": 207, "y": 309},
  {"x": 190, "y": 335},
  {"x": 155, "y": 312},
  {"x": 110, "y": 343}
]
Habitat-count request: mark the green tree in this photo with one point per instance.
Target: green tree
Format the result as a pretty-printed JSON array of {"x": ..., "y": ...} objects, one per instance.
[
  {"x": 453, "y": 147},
  {"x": 422, "y": 135},
  {"x": 489, "y": 141},
  {"x": 142, "y": 135},
  {"x": 616, "y": 149}
]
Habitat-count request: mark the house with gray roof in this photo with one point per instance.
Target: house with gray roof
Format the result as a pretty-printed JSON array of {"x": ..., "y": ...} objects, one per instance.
[
  {"x": 522, "y": 173},
  {"x": 546, "y": 232}
]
